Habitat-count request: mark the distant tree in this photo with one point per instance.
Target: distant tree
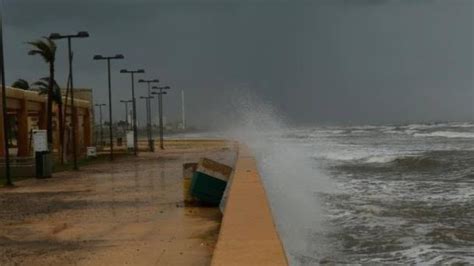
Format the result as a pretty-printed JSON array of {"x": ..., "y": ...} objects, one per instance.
[
  {"x": 46, "y": 49},
  {"x": 21, "y": 84}
]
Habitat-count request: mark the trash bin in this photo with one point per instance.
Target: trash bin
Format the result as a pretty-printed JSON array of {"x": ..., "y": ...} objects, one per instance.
[
  {"x": 44, "y": 164},
  {"x": 119, "y": 142}
]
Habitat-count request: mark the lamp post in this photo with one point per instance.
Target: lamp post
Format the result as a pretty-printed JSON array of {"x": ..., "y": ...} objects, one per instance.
[
  {"x": 57, "y": 36},
  {"x": 148, "y": 110},
  {"x": 148, "y": 103},
  {"x": 126, "y": 110},
  {"x": 100, "y": 122},
  {"x": 183, "y": 115},
  {"x": 108, "y": 58},
  {"x": 134, "y": 105},
  {"x": 161, "y": 91},
  {"x": 8, "y": 181}
]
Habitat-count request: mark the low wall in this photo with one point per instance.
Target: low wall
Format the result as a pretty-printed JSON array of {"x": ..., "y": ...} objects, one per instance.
[{"x": 248, "y": 235}]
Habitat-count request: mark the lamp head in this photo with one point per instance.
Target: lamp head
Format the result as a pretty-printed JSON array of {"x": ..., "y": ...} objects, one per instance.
[
  {"x": 140, "y": 71},
  {"x": 82, "y": 34},
  {"x": 123, "y": 71},
  {"x": 98, "y": 57},
  {"x": 119, "y": 56},
  {"x": 55, "y": 36}
]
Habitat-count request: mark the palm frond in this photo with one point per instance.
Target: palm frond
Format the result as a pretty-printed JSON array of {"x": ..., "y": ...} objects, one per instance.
[
  {"x": 21, "y": 84},
  {"x": 45, "y": 47},
  {"x": 43, "y": 84}
]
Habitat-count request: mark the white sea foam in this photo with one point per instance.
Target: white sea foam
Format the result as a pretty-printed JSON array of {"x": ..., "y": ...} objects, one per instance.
[{"x": 446, "y": 134}]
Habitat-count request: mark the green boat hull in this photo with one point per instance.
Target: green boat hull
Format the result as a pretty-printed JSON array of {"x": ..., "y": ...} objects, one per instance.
[{"x": 207, "y": 189}]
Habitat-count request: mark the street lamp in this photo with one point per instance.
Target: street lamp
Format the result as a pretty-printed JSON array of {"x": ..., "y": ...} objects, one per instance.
[
  {"x": 150, "y": 141},
  {"x": 161, "y": 91},
  {"x": 4, "y": 109},
  {"x": 108, "y": 58},
  {"x": 126, "y": 110},
  {"x": 100, "y": 122},
  {"x": 148, "y": 111},
  {"x": 134, "y": 106},
  {"x": 57, "y": 36}
]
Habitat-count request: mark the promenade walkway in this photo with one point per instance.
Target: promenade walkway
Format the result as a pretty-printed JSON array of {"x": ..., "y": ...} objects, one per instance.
[{"x": 128, "y": 212}]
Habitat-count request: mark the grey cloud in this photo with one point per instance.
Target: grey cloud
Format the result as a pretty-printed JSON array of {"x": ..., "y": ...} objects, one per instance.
[{"x": 339, "y": 60}]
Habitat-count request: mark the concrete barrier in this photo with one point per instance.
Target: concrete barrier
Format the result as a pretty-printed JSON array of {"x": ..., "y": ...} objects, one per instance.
[{"x": 248, "y": 235}]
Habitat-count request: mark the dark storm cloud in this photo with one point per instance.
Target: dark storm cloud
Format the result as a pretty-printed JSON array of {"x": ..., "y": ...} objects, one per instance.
[{"x": 328, "y": 60}]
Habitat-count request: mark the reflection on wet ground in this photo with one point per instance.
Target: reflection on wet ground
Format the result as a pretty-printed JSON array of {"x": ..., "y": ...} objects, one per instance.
[{"x": 130, "y": 211}]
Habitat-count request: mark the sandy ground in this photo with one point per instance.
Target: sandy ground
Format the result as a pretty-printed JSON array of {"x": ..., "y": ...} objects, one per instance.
[{"x": 129, "y": 212}]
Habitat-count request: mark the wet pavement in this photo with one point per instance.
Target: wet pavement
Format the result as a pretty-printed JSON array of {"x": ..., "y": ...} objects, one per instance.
[{"x": 129, "y": 212}]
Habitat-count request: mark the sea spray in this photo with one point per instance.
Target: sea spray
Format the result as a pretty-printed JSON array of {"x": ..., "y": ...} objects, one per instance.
[{"x": 290, "y": 178}]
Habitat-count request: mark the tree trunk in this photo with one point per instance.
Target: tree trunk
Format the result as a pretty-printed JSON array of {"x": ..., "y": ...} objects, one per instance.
[
  {"x": 61, "y": 130},
  {"x": 49, "y": 126}
]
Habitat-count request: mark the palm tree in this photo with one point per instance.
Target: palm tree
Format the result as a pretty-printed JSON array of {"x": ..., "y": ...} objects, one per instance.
[
  {"x": 21, "y": 84},
  {"x": 46, "y": 49},
  {"x": 43, "y": 87}
]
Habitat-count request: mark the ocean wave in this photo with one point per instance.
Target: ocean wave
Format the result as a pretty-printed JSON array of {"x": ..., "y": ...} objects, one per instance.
[
  {"x": 446, "y": 134},
  {"x": 381, "y": 159},
  {"x": 462, "y": 125},
  {"x": 425, "y": 126},
  {"x": 393, "y": 131},
  {"x": 361, "y": 157},
  {"x": 339, "y": 156},
  {"x": 408, "y": 161},
  {"x": 417, "y": 161},
  {"x": 359, "y": 131}
]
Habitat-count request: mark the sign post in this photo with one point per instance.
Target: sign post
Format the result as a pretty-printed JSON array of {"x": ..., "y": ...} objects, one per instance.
[{"x": 43, "y": 159}]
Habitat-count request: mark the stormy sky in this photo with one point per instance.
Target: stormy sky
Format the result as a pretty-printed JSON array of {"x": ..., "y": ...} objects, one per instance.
[{"x": 319, "y": 61}]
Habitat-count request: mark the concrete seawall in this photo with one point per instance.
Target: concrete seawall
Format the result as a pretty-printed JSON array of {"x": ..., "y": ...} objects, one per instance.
[{"x": 248, "y": 235}]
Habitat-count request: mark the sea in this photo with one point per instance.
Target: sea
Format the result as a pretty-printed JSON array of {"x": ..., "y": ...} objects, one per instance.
[{"x": 369, "y": 194}]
